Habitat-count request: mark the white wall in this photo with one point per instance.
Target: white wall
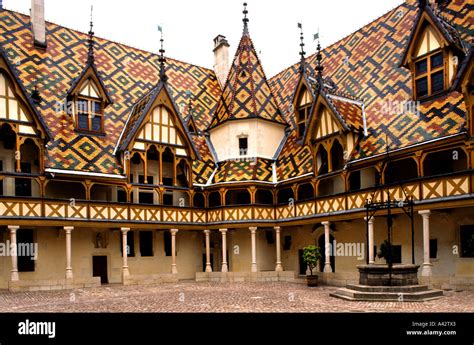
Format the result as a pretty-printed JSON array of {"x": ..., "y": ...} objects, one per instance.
[{"x": 264, "y": 138}]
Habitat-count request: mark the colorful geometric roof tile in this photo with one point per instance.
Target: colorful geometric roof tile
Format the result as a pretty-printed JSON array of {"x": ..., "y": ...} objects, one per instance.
[
  {"x": 36, "y": 117},
  {"x": 127, "y": 73},
  {"x": 246, "y": 93},
  {"x": 349, "y": 110},
  {"x": 90, "y": 71},
  {"x": 205, "y": 166},
  {"x": 244, "y": 169},
  {"x": 365, "y": 65},
  {"x": 294, "y": 159}
]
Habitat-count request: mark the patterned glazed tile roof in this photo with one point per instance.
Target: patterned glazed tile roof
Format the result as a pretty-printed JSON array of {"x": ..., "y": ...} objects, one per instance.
[
  {"x": 294, "y": 159},
  {"x": 254, "y": 169},
  {"x": 204, "y": 167},
  {"x": 127, "y": 73},
  {"x": 347, "y": 110},
  {"x": 246, "y": 92},
  {"x": 365, "y": 65}
]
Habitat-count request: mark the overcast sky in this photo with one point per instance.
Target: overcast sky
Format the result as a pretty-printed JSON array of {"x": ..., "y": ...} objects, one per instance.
[{"x": 190, "y": 25}]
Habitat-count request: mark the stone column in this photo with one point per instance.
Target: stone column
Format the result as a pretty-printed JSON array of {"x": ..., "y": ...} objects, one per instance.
[
  {"x": 174, "y": 269},
  {"x": 14, "y": 272},
  {"x": 327, "y": 252},
  {"x": 371, "y": 240},
  {"x": 253, "y": 231},
  {"x": 207, "y": 233},
  {"x": 426, "y": 266},
  {"x": 224, "y": 250},
  {"x": 125, "y": 271},
  {"x": 68, "y": 231},
  {"x": 278, "y": 266}
]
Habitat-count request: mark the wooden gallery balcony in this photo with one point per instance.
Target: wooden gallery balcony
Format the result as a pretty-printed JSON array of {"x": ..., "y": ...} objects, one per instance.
[{"x": 453, "y": 189}]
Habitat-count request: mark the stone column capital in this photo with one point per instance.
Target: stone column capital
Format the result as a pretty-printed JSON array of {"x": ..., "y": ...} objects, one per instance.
[
  {"x": 277, "y": 228},
  {"x": 173, "y": 231},
  {"x": 326, "y": 223},
  {"x": 13, "y": 228},
  {"x": 223, "y": 231},
  {"x": 124, "y": 230},
  {"x": 207, "y": 231},
  {"x": 68, "y": 229},
  {"x": 253, "y": 229},
  {"x": 424, "y": 213}
]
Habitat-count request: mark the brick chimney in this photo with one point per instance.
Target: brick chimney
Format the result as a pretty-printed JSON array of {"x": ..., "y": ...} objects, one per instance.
[
  {"x": 38, "y": 24},
  {"x": 221, "y": 58}
]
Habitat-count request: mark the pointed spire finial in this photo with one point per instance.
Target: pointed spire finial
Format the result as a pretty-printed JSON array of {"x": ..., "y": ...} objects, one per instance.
[
  {"x": 162, "y": 58},
  {"x": 245, "y": 20},
  {"x": 319, "y": 57},
  {"x": 302, "y": 52},
  {"x": 90, "y": 54}
]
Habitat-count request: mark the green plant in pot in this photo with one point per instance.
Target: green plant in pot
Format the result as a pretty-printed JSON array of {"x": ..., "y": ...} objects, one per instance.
[{"x": 311, "y": 255}]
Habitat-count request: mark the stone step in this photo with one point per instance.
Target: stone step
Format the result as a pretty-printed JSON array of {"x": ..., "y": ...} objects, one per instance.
[
  {"x": 397, "y": 289},
  {"x": 354, "y": 295}
]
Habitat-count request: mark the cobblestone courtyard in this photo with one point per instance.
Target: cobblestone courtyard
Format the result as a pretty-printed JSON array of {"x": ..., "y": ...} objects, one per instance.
[{"x": 216, "y": 297}]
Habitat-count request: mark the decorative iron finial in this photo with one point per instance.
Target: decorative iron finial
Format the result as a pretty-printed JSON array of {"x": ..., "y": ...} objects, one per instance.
[
  {"x": 90, "y": 54},
  {"x": 245, "y": 20},
  {"x": 162, "y": 58},
  {"x": 319, "y": 57},
  {"x": 302, "y": 52}
]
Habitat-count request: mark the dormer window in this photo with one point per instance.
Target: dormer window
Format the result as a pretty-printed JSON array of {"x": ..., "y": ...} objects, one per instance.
[
  {"x": 302, "y": 111},
  {"x": 432, "y": 54},
  {"x": 429, "y": 71},
  {"x": 89, "y": 109}
]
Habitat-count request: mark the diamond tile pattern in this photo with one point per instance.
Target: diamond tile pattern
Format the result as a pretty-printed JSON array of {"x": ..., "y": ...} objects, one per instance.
[
  {"x": 365, "y": 65},
  {"x": 246, "y": 92},
  {"x": 127, "y": 73}
]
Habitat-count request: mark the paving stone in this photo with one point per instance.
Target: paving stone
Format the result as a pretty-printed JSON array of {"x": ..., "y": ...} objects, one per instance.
[{"x": 215, "y": 297}]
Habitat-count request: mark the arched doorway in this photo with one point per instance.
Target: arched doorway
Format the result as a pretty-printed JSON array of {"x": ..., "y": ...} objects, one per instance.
[{"x": 321, "y": 245}]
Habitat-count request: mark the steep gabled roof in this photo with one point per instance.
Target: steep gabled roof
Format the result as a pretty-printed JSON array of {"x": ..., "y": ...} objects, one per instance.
[
  {"x": 246, "y": 93},
  {"x": 365, "y": 64},
  {"x": 128, "y": 73},
  {"x": 36, "y": 117},
  {"x": 346, "y": 111},
  {"x": 445, "y": 28},
  {"x": 141, "y": 110},
  {"x": 90, "y": 71}
]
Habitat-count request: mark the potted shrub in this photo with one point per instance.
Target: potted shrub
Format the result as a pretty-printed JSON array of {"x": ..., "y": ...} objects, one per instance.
[{"x": 311, "y": 255}]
